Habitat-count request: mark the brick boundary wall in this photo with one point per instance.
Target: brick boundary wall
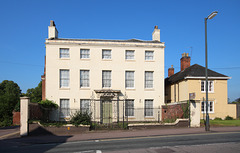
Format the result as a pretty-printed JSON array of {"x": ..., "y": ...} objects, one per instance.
[
  {"x": 173, "y": 111},
  {"x": 16, "y": 118}
]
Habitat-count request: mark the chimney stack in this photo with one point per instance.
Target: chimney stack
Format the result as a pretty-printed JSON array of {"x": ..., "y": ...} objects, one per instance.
[
  {"x": 156, "y": 34},
  {"x": 185, "y": 61},
  {"x": 52, "y": 30},
  {"x": 170, "y": 71}
]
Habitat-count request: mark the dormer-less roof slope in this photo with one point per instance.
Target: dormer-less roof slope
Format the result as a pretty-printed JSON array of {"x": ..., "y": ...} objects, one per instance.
[{"x": 194, "y": 72}]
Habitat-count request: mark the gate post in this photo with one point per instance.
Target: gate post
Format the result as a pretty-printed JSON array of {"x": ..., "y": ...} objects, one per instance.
[
  {"x": 24, "y": 102},
  {"x": 194, "y": 113}
]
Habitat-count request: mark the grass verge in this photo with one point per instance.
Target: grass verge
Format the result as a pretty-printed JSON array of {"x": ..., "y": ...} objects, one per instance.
[{"x": 223, "y": 122}]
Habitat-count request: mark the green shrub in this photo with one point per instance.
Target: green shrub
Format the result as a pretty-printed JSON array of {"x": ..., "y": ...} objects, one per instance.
[
  {"x": 169, "y": 120},
  {"x": 80, "y": 118},
  {"x": 48, "y": 104},
  {"x": 228, "y": 118},
  {"x": 218, "y": 118},
  {"x": 17, "y": 107},
  {"x": 6, "y": 121},
  {"x": 53, "y": 123}
]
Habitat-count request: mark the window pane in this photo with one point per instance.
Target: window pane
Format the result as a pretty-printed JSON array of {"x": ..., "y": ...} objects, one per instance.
[
  {"x": 129, "y": 54},
  {"x": 129, "y": 108},
  {"x": 210, "y": 107},
  {"x": 85, "y": 105},
  {"x": 64, "y": 53},
  {"x": 148, "y": 79},
  {"x": 203, "y": 107},
  {"x": 64, "y": 78},
  {"x": 129, "y": 79},
  {"x": 106, "y": 78},
  {"x": 84, "y": 78},
  {"x": 210, "y": 84},
  {"x": 148, "y": 108},
  {"x": 64, "y": 108},
  {"x": 148, "y": 55},
  {"x": 106, "y": 54},
  {"x": 84, "y": 53},
  {"x": 202, "y": 86}
]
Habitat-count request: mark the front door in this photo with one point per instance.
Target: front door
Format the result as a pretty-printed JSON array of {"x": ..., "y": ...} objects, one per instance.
[{"x": 106, "y": 112}]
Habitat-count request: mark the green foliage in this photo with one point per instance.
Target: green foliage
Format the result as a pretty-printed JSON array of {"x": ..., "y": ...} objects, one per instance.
[
  {"x": 228, "y": 118},
  {"x": 120, "y": 125},
  {"x": 81, "y": 118},
  {"x": 9, "y": 97},
  {"x": 217, "y": 118},
  {"x": 17, "y": 107},
  {"x": 169, "y": 120},
  {"x": 185, "y": 110},
  {"x": 53, "y": 123},
  {"x": 35, "y": 94},
  {"x": 48, "y": 104}
]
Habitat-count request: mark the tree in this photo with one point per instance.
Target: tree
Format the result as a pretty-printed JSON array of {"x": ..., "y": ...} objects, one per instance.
[
  {"x": 236, "y": 101},
  {"x": 9, "y": 96},
  {"x": 35, "y": 94}
]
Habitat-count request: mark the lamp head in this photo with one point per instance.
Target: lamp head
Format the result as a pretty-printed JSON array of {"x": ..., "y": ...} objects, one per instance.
[{"x": 212, "y": 15}]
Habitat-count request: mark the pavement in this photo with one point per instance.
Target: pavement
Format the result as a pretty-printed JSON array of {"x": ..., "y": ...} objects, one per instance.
[{"x": 11, "y": 135}]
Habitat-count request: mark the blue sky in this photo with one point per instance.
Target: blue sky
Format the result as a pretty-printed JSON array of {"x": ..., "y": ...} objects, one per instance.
[{"x": 24, "y": 24}]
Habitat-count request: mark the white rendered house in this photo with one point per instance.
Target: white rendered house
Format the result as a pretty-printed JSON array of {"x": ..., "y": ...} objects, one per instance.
[{"x": 105, "y": 77}]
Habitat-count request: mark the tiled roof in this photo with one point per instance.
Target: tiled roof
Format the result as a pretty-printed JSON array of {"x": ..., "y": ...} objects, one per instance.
[{"x": 192, "y": 71}]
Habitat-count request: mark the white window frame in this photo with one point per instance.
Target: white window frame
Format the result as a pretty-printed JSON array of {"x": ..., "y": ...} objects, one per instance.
[
  {"x": 129, "y": 80},
  {"x": 84, "y": 78},
  {"x": 149, "y": 55},
  {"x": 64, "y": 53},
  {"x": 148, "y": 108},
  {"x": 85, "y": 105},
  {"x": 210, "y": 86},
  {"x": 210, "y": 105},
  {"x": 64, "y": 78},
  {"x": 64, "y": 108},
  {"x": 84, "y": 53},
  {"x": 129, "y": 55},
  {"x": 148, "y": 80},
  {"x": 129, "y": 108},
  {"x": 106, "y": 54},
  {"x": 106, "y": 79}
]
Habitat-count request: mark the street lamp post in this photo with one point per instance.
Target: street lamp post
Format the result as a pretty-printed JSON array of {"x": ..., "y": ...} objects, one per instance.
[{"x": 212, "y": 15}]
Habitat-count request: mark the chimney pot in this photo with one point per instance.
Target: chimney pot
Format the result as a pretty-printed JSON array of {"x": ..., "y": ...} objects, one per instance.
[
  {"x": 156, "y": 34},
  {"x": 185, "y": 61},
  {"x": 170, "y": 71},
  {"x": 52, "y": 30}
]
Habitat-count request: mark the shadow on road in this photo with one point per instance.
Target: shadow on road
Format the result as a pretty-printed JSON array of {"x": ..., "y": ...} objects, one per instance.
[{"x": 40, "y": 140}]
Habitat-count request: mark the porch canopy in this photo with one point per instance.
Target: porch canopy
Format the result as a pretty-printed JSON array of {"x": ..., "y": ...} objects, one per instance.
[{"x": 107, "y": 93}]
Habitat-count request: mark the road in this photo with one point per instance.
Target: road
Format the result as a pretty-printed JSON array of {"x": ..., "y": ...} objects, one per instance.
[{"x": 207, "y": 142}]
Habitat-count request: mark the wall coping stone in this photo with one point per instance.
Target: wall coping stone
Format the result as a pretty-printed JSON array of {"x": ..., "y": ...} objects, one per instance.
[{"x": 150, "y": 124}]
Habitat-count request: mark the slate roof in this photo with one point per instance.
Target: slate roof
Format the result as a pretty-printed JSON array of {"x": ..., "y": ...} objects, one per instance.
[
  {"x": 192, "y": 71},
  {"x": 129, "y": 40}
]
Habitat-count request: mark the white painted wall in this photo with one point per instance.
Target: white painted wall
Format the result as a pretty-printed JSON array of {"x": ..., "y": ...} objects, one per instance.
[{"x": 118, "y": 65}]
